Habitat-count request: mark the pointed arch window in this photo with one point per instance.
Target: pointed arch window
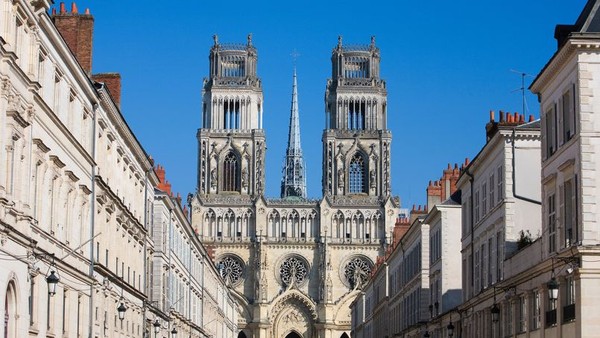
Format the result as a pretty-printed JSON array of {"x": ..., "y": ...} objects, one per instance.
[
  {"x": 356, "y": 175},
  {"x": 230, "y": 173}
]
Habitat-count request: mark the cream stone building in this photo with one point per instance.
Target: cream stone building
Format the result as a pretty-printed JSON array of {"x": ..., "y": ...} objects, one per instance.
[
  {"x": 76, "y": 196},
  {"x": 294, "y": 264}
]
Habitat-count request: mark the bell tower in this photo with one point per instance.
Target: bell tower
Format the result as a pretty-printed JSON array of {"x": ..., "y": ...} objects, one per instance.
[
  {"x": 356, "y": 141},
  {"x": 231, "y": 141}
]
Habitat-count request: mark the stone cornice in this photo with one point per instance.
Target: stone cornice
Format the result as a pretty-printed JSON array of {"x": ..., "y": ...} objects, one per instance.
[
  {"x": 550, "y": 71},
  {"x": 127, "y": 135}
]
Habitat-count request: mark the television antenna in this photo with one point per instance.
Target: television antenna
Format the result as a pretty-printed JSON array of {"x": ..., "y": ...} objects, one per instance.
[{"x": 522, "y": 89}]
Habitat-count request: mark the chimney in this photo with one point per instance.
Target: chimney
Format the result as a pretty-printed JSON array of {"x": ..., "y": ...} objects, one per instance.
[
  {"x": 113, "y": 82},
  {"x": 77, "y": 30},
  {"x": 163, "y": 184}
]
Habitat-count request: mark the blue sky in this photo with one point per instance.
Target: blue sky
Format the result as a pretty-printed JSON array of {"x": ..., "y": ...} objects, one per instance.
[{"x": 446, "y": 64}]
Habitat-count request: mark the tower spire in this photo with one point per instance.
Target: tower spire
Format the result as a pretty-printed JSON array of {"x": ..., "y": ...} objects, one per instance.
[{"x": 293, "y": 183}]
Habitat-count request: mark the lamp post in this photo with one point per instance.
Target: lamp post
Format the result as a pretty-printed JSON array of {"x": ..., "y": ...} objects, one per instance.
[
  {"x": 52, "y": 281},
  {"x": 156, "y": 325},
  {"x": 450, "y": 328},
  {"x": 552, "y": 289},
  {"x": 426, "y": 334},
  {"x": 121, "y": 311},
  {"x": 495, "y": 313},
  {"x": 174, "y": 332}
]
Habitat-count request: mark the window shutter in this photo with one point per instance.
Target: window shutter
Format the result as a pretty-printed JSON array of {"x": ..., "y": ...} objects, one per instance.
[
  {"x": 561, "y": 207},
  {"x": 574, "y": 211},
  {"x": 560, "y": 121},
  {"x": 573, "y": 113}
]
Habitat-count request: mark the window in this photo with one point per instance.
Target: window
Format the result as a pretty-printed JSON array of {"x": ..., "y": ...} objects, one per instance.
[
  {"x": 483, "y": 256},
  {"x": 551, "y": 223},
  {"x": 550, "y": 128},
  {"x": 357, "y": 175},
  {"x": 356, "y": 115},
  {"x": 477, "y": 273},
  {"x": 231, "y": 114},
  {"x": 569, "y": 308},
  {"x": 522, "y": 313},
  {"x": 476, "y": 209},
  {"x": 492, "y": 197},
  {"x": 570, "y": 212},
  {"x": 499, "y": 255},
  {"x": 508, "y": 316},
  {"x": 484, "y": 199},
  {"x": 567, "y": 115},
  {"x": 489, "y": 261},
  {"x": 500, "y": 184},
  {"x": 230, "y": 173},
  {"x": 535, "y": 311}
]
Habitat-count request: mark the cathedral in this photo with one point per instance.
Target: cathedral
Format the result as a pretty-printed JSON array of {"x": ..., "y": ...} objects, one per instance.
[{"x": 294, "y": 264}]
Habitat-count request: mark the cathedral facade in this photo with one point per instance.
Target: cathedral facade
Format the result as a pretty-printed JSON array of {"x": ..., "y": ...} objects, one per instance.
[{"x": 294, "y": 264}]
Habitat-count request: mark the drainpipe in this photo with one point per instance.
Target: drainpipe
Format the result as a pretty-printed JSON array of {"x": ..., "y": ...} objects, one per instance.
[
  {"x": 514, "y": 182},
  {"x": 471, "y": 182},
  {"x": 92, "y": 220}
]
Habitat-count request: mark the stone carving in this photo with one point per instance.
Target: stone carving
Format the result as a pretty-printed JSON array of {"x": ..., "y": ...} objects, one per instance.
[
  {"x": 356, "y": 272},
  {"x": 293, "y": 272},
  {"x": 373, "y": 178},
  {"x": 245, "y": 177},
  {"x": 213, "y": 178},
  {"x": 231, "y": 269},
  {"x": 341, "y": 178}
]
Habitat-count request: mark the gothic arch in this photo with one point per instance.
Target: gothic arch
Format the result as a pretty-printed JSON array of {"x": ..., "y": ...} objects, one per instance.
[
  {"x": 358, "y": 168},
  {"x": 231, "y": 172},
  {"x": 343, "y": 313},
  {"x": 293, "y": 312},
  {"x": 293, "y": 334}
]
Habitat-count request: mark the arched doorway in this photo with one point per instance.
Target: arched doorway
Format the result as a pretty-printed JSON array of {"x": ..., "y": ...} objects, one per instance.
[
  {"x": 10, "y": 312},
  {"x": 293, "y": 335},
  {"x": 241, "y": 335},
  {"x": 344, "y": 335}
]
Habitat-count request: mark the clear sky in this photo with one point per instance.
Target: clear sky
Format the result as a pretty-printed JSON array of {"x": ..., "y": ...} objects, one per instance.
[{"x": 446, "y": 64}]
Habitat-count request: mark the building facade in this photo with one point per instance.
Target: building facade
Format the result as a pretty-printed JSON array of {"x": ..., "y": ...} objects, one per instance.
[
  {"x": 418, "y": 280},
  {"x": 294, "y": 264},
  {"x": 76, "y": 193}
]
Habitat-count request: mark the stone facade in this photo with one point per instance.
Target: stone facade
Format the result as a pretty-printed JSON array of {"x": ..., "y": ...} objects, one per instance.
[
  {"x": 294, "y": 264},
  {"x": 76, "y": 194}
]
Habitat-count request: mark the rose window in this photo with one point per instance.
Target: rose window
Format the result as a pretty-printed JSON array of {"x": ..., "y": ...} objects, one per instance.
[
  {"x": 293, "y": 271},
  {"x": 356, "y": 272},
  {"x": 231, "y": 269}
]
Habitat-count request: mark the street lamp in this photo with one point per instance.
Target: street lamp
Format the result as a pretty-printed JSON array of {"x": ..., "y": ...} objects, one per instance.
[
  {"x": 495, "y": 313},
  {"x": 426, "y": 335},
  {"x": 121, "y": 310},
  {"x": 156, "y": 327},
  {"x": 174, "y": 333},
  {"x": 52, "y": 281},
  {"x": 552, "y": 289},
  {"x": 450, "y": 328}
]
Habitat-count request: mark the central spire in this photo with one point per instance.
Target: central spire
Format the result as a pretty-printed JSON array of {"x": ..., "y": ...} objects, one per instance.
[{"x": 293, "y": 183}]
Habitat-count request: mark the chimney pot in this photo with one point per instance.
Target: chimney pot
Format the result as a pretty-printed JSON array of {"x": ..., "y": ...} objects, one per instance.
[
  {"x": 53, "y": 11},
  {"x": 501, "y": 116},
  {"x": 491, "y": 116},
  {"x": 87, "y": 11},
  {"x": 531, "y": 119},
  {"x": 63, "y": 10},
  {"x": 74, "y": 8},
  {"x": 522, "y": 119}
]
